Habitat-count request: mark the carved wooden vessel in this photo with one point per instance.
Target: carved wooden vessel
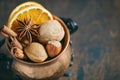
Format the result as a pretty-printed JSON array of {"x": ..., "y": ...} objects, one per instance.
[{"x": 48, "y": 70}]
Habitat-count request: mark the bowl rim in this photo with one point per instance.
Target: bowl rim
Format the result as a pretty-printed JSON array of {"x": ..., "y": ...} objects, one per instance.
[{"x": 66, "y": 39}]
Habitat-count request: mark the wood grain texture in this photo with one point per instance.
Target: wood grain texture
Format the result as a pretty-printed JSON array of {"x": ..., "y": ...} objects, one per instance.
[{"x": 96, "y": 44}]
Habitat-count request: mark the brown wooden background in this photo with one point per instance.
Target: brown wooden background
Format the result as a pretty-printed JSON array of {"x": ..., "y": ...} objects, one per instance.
[{"x": 96, "y": 44}]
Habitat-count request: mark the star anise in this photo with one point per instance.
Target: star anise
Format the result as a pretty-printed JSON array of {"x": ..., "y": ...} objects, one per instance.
[{"x": 26, "y": 30}]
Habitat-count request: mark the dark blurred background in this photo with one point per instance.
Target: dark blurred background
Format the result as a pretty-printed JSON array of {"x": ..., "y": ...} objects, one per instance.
[{"x": 96, "y": 43}]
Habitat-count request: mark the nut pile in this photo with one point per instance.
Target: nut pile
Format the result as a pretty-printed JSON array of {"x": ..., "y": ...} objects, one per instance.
[{"x": 43, "y": 42}]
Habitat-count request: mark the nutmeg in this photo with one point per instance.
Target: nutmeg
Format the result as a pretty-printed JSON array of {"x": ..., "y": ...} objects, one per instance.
[
  {"x": 36, "y": 52},
  {"x": 51, "y": 30},
  {"x": 18, "y": 53},
  {"x": 53, "y": 48}
]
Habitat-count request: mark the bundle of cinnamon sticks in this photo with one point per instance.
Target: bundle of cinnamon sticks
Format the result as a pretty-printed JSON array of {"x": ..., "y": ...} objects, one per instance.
[{"x": 15, "y": 44}]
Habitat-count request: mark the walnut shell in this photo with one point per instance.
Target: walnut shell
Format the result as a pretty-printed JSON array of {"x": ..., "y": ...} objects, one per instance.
[
  {"x": 53, "y": 48},
  {"x": 36, "y": 52},
  {"x": 51, "y": 30}
]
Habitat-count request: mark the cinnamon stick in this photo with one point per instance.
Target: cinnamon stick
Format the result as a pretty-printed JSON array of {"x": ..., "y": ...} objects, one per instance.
[
  {"x": 16, "y": 43},
  {"x": 4, "y": 34},
  {"x": 18, "y": 53},
  {"x": 8, "y": 31}
]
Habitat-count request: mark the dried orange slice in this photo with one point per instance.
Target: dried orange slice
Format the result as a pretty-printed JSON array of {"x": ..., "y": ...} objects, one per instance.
[
  {"x": 37, "y": 13},
  {"x": 24, "y": 5}
]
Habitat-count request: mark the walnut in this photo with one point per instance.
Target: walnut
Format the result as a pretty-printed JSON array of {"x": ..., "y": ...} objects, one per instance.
[
  {"x": 36, "y": 52},
  {"x": 51, "y": 30}
]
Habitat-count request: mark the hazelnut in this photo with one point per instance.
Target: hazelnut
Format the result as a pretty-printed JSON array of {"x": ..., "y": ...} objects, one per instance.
[
  {"x": 53, "y": 48},
  {"x": 36, "y": 52},
  {"x": 51, "y": 30}
]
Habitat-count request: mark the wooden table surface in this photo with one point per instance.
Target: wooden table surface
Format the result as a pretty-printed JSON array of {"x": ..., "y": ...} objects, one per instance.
[{"x": 96, "y": 43}]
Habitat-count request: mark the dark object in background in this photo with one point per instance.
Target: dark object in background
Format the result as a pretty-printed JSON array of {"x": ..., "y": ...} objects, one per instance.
[
  {"x": 67, "y": 74},
  {"x": 2, "y": 42},
  {"x": 5, "y": 62},
  {"x": 5, "y": 67},
  {"x": 72, "y": 25},
  {"x": 1, "y": 28}
]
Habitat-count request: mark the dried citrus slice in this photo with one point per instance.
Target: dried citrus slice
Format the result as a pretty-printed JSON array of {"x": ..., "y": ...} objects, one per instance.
[
  {"x": 38, "y": 15},
  {"x": 24, "y": 5}
]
